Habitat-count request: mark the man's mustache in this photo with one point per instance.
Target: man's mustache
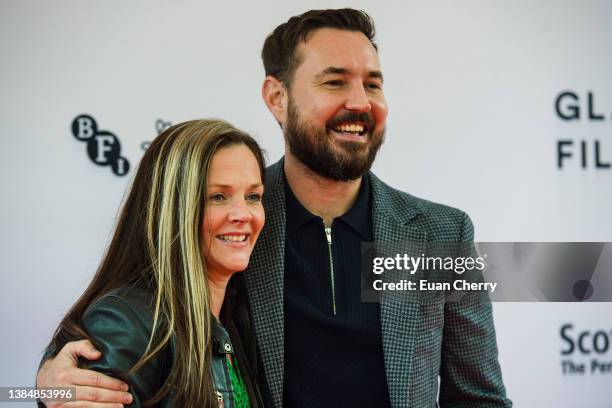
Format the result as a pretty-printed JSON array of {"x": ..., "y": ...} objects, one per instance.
[{"x": 365, "y": 117}]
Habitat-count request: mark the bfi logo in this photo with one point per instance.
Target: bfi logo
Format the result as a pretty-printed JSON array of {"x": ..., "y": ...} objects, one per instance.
[{"x": 103, "y": 147}]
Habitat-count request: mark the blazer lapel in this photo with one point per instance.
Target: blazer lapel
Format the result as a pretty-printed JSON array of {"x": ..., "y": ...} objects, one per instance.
[
  {"x": 265, "y": 282},
  {"x": 399, "y": 316}
]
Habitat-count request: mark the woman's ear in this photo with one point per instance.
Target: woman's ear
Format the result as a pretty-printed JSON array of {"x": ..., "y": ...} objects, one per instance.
[{"x": 274, "y": 95}]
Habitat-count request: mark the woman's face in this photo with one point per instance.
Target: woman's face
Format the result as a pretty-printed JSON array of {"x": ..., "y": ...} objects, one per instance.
[{"x": 234, "y": 215}]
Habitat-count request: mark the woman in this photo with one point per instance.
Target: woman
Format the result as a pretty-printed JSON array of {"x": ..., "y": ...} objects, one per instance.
[{"x": 157, "y": 307}]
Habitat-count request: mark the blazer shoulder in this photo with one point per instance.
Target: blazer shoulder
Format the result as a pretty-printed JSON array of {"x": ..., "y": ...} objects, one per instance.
[{"x": 441, "y": 222}]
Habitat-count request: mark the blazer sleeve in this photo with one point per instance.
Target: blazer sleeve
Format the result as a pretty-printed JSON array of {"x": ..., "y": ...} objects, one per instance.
[
  {"x": 470, "y": 375},
  {"x": 121, "y": 332}
]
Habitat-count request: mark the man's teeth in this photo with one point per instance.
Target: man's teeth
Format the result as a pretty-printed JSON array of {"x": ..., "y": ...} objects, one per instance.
[
  {"x": 232, "y": 238},
  {"x": 349, "y": 128}
]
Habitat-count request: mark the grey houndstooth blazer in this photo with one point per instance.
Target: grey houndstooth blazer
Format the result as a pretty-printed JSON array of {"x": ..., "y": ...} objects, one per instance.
[{"x": 454, "y": 341}]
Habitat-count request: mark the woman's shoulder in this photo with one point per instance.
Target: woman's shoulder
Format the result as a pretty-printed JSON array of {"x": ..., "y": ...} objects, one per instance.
[
  {"x": 135, "y": 297},
  {"x": 120, "y": 325},
  {"x": 126, "y": 308}
]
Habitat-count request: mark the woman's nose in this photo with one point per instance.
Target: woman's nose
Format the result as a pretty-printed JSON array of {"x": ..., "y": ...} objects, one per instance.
[{"x": 239, "y": 212}]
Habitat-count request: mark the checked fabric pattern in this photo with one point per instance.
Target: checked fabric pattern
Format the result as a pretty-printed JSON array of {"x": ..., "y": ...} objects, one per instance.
[{"x": 421, "y": 342}]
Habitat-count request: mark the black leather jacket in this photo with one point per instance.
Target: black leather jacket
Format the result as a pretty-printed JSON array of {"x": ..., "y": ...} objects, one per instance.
[{"x": 120, "y": 324}]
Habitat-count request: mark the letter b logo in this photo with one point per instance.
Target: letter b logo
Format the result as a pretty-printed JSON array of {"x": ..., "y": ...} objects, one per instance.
[{"x": 84, "y": 127}]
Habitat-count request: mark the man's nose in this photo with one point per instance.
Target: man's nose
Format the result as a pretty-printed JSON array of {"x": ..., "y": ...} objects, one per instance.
[
  {"x": 358, "y": 100},
  {"x": 239, "y": 212}
]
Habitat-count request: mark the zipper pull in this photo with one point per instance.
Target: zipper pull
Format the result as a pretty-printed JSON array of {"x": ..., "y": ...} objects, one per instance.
[{"x": 328, "y": 235}]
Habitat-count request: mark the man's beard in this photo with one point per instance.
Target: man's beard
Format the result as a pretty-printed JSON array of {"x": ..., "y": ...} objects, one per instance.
[{"x": 314, "y": 147}]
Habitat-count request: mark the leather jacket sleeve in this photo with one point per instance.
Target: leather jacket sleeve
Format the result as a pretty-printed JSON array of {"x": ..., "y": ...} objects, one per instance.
[{"x": 121, "y": 327}]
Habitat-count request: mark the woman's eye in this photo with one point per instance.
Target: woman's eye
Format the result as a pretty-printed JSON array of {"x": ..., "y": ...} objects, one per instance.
[
  {"x": 256, "y": 197},
  {"x": 216, "y": 197}
]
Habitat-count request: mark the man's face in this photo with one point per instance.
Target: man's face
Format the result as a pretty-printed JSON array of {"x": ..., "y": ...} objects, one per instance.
[{"x": 336, "y": 109}]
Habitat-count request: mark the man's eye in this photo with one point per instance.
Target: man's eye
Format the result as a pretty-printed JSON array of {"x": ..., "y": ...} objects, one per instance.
[
  {"x": 373, "y": 85},
  {"x": 334, "y": 83},
  {"x": 255, "y": 197},
  {"x": 216, "y": 197}
]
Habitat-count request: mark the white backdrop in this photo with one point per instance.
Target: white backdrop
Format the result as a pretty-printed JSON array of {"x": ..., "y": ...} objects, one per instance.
[{"x": 471, "y": 88}]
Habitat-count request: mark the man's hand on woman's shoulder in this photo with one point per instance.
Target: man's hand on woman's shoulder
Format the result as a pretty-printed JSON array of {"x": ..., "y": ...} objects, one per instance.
[{"x": 93, "y": 389}]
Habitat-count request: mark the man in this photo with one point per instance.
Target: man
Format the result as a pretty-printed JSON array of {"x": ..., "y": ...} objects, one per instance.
[{"x": 319, "y": 345}]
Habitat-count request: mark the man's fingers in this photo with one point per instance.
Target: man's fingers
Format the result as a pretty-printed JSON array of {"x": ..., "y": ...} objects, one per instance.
[
  {"x": 85, "y": 404},
  {"x": 93, "y": 394},
  {"x": 95, "y": 397},
  {"x": 84, "y": 348},
  {"x": 96, "y": 379}
]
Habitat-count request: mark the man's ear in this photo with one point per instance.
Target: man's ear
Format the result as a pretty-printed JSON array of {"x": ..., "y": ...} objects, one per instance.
[{"x": 275, "y": 96}]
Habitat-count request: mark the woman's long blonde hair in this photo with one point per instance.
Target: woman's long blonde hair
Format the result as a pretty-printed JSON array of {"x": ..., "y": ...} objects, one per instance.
[{"x": 157, "y": 245}]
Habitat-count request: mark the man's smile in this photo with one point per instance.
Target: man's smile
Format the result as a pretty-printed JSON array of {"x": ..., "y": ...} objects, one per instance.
[
  {"x": 353, "y": 128},
  {"x": 360, "y": 136}
]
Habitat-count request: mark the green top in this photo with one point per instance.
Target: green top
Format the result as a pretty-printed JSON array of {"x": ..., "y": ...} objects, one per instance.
[
  {"x": 230, "y": 387},
  {"x": 241, "y": 396}
]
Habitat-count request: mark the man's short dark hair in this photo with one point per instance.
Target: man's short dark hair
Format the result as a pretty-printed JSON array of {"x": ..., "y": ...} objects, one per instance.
[{"x": 279, "y": 50}]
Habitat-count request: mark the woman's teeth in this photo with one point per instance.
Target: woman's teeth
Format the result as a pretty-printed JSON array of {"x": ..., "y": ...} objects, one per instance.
[{"x": 232, "y": 238}]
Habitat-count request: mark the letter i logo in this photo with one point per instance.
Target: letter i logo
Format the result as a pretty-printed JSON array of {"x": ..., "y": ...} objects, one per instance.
[{"x": 103, "y": 147}]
